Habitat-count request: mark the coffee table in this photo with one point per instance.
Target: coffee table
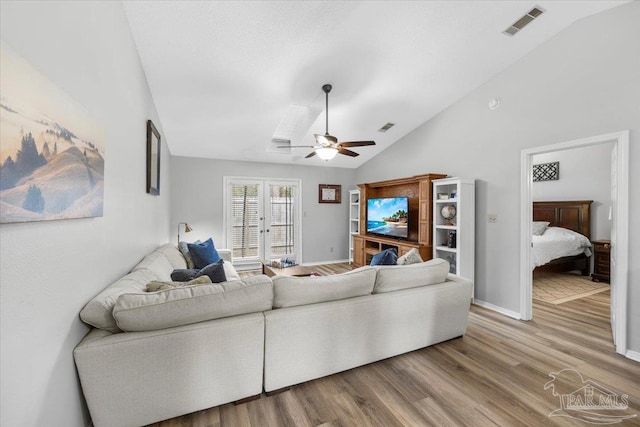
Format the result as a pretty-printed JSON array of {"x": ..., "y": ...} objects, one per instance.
[{"x": 296, "y": 270}]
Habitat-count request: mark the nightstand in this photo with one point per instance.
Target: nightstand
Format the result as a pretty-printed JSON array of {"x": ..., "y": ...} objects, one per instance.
[{"x": 601, "y": 260}]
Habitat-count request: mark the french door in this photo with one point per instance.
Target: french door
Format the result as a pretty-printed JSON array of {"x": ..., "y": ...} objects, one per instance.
[{"x": 262, "y": 219}]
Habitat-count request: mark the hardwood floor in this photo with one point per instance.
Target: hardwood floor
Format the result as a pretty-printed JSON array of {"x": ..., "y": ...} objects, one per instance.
[{"x": 493, "y": 376}]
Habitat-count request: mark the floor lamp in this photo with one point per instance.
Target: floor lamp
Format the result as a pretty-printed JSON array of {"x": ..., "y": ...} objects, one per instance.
[{"x": 187, "y": 229}]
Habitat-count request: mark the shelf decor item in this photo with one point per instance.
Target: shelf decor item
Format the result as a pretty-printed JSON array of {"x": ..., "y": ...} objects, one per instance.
[{"x": 448, "y": 212}]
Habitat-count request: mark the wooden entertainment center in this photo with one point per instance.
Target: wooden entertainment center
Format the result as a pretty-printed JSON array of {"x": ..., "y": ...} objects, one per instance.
[{"x": 419, "y": 191}]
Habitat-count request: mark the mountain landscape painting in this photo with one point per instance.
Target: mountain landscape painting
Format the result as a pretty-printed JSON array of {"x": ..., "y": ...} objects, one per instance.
[{"x": 51, "y": 150}]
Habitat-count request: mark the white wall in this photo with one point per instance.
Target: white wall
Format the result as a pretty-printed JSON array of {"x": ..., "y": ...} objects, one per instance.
[
  {"x": 581, "y": 83},
  {"x": 197, "y": 198},
  {"x": 49, "y": 270},
  {"x": 585, "y": 174}
]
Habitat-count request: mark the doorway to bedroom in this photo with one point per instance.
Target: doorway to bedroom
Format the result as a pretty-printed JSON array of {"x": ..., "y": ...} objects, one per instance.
[{"x": 588, "y": 194}]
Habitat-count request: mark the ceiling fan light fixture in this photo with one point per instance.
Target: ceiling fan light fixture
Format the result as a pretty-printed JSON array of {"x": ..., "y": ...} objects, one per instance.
[{"x": 326, "y": 153}]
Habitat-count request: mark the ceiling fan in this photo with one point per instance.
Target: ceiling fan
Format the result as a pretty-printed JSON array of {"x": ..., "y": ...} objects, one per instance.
[{"x": 327, "y": 146}]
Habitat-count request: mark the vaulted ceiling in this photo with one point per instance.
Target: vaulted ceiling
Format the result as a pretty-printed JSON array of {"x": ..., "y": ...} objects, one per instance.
[{"x": 223, "y": 74}]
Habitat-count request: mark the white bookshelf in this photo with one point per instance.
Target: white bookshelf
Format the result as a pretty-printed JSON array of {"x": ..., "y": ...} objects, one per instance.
[
  {"x": 354, "y": 219},
  {"x": 459, "y": 193}
]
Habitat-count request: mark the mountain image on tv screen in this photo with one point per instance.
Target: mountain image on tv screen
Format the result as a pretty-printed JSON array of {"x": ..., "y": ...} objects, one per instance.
[{"x": 388, "y": 216}]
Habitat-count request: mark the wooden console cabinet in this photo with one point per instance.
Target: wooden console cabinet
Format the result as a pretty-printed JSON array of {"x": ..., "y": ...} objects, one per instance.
[{"x": 419, "y": 190}]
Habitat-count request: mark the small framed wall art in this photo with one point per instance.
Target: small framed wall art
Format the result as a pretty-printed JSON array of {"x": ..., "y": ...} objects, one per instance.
[
  {"x": 153, "y": 159},
  {"x": 329, "y": 193}
]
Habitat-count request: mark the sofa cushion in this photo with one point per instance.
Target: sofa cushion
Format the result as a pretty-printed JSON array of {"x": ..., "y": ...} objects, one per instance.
[
  {"x": 395, "y": 277},
  {"x": 98, "y": 311},
  {"x": 203, "y": 253},
  {"x": 156, "y": 285},
  {"x": 293, "y": 291},
  {"x": 386, "y": 257},
  {"x": 157, "y": 263},
  {"x": 411, "y": 257},
  {"x": 192, "y": 304}
]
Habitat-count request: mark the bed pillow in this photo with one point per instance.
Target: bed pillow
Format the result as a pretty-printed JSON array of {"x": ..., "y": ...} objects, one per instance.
[
  {"x": 539, "y": 227},
  {"x": 411, "y": 257},
  {"x": 386, "y": 257},
  {"x": 203, "y": 253}
]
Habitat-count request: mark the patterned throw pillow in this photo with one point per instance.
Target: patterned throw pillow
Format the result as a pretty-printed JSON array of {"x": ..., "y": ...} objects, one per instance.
[{"x": 411, "y": 257}]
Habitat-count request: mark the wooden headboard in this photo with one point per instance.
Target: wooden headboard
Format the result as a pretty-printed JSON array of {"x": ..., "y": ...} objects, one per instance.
[{"x": 572, "y": 214}]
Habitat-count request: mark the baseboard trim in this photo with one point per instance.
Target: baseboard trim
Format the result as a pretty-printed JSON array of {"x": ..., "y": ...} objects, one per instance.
[
  {"x": 633, "y": 355},
  {"x": 309, "y": 264},
  {"x": 498, "y": 309}
]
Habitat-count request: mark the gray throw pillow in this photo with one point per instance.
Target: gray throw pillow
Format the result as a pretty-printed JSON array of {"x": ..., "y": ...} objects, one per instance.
[
  {"x": 184, "y": 249},
  {"x": 411, "y": 257}
]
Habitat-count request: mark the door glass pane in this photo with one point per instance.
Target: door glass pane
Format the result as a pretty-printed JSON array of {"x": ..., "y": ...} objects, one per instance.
[
  {"x": 245, "y": 222},
  {"x": 282, "y": 220}
]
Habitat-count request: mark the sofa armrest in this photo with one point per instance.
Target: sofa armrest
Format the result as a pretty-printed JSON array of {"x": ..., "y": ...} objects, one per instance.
[
  {"x": 455, "y": 278},
  {"x": 225, "y": 254}
]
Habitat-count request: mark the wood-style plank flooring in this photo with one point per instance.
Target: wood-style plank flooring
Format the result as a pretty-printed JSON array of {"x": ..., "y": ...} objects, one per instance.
[{"x": 493, "y": 376}]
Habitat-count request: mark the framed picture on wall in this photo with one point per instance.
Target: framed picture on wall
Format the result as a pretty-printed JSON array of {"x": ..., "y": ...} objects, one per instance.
[
  {"x": 328, "y": 193},
  {"x": 153, "y": 159}
]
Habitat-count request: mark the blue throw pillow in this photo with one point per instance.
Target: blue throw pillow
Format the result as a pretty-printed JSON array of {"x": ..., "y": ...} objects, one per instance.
[
  {"x": 386, "y": 257},
  {"x": 215, "y": 272},
  {"x": 203, "y": 253},
  {"x": 184, "y": 274}
]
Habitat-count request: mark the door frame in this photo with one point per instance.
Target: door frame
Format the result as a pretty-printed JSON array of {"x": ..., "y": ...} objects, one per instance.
[
  {"x": 620, "y": 216},
  {"x": 265, "y": 180}
]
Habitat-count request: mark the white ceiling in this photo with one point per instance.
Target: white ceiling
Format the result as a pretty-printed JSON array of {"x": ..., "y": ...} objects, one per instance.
[{"x": 223, "y": 74}]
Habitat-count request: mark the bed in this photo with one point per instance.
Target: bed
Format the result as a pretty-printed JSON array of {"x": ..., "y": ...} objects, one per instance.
[{"x": 574, "y": 215}]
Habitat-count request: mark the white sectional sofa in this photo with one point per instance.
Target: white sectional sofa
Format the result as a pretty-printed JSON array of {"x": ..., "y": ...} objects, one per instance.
[{"x": 157, "y": 355}]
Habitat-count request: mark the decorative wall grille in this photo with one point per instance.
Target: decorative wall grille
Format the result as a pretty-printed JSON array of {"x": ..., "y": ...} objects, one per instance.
[{"x": 546, "y": 172}]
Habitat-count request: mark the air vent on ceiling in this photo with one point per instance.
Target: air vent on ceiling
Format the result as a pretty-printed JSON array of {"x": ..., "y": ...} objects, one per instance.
[
  {"x": 524, "y": 21},
  {"x": 386, "y": 127}
]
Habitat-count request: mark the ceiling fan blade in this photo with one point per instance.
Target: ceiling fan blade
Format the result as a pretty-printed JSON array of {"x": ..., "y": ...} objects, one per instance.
[
  {"x": 356, "y": 143},
  {"x": 326, "y": 139},
  {"x": 296, "y": 146},
  {"x": 347, "y": 152},
  {"x": 311, "y": 154}
]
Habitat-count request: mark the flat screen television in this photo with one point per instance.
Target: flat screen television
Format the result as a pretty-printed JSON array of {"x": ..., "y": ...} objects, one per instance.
[{"x": 388, "y": 216}]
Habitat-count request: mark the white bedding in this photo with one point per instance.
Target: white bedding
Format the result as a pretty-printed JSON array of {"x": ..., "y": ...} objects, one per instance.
[{"x": 557, "y": 242}]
